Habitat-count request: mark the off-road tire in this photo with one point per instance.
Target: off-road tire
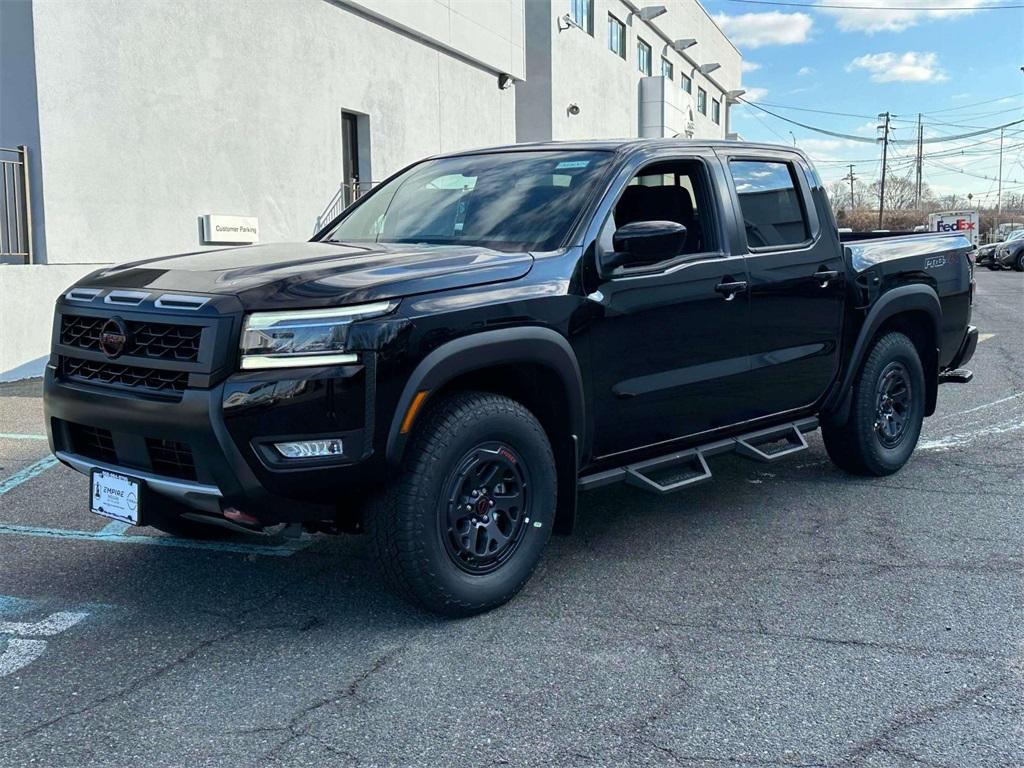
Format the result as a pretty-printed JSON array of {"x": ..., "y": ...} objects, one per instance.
[
  {"x": 860, "y": 446},
  {"x": 409, "y": 521}
]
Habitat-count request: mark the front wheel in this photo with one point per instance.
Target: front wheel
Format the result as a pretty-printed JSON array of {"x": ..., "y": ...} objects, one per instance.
[
  {"x": 1018, "y": 264},
  {"x": 886, "y": 414},
  {"x": 462, "y": 528}
]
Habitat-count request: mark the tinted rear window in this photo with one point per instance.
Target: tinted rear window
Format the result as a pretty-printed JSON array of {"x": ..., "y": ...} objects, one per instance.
[{"x": 770, "y": 203}]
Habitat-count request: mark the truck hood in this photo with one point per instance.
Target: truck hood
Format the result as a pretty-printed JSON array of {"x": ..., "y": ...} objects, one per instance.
[{"x": 285, "y": 275}]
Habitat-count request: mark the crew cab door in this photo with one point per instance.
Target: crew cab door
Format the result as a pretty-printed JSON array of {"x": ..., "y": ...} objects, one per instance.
[
  {"x": 668, "y": 355},
  {"x": 797, "y": 279}
]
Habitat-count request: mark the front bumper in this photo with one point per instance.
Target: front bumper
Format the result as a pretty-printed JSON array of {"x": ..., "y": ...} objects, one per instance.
[{"x": 223, "y": 437}]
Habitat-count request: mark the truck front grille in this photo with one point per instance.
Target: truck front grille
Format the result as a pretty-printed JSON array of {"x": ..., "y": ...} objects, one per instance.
[
  {"x": 97, "y": 372},
  {"x": 159, "y": 341}
]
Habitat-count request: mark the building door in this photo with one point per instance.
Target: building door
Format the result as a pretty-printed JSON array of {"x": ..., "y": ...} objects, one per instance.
[{"x": 350, "y": 156}]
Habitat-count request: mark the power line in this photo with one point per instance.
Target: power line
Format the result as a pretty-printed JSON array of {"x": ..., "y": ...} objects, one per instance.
[
  {"x": 954, "y": 169},
  {"x": 921, "y": 8},
  {"x": 865, "y": 140},
  {"x": 818, "y": 111},
  {"x": 974, "y": 104}
]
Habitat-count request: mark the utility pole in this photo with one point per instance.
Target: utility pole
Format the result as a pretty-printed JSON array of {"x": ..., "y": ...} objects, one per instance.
[
  {"x": 920, "y": 158},
  {"x": 850, "y": 178},
  {"x": 999, "y": 194},
  {"x": 885, "y": 156}
]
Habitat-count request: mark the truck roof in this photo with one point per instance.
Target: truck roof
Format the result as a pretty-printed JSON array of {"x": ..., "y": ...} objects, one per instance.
[{"x": 625, "y": 145}]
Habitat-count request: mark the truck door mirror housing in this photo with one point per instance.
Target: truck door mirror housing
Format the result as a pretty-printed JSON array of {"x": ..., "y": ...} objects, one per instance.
[{"x": 646, "y": 242}]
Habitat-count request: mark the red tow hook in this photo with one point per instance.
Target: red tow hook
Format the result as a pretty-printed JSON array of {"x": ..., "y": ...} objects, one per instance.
[{"x": 238, "y": 516}]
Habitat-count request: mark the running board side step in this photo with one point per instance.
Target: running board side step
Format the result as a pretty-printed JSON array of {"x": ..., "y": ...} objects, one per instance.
[
  {"x": 684, "y": 469},
  {"x": 958, "y": 376}
]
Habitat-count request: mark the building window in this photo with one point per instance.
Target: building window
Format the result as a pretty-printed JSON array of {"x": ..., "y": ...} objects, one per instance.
[
  {"x": 643, "y": 57},
  {"x": 716, "y": 111},
  {"x": 685, "y": 83},
  {"x": 582, "y": 14},
  {"x": 616, "y": 36},
  {"x": 666, "y": 68},
  {"x": 702, "y": 101}
]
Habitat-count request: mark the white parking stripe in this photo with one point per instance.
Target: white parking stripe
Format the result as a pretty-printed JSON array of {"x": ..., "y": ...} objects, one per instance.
[
  {"x": 18, "y": 653},
  {"x": 53, "y": 624}
]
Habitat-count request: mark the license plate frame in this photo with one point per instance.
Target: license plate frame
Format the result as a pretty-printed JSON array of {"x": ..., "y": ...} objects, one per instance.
[{"x": 116, "y": 495}]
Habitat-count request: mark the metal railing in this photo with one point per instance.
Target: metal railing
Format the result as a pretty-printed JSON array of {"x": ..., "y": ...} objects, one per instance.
[
  {"x": 15, "y": 206},
  {"x": 348, "y": 193}
]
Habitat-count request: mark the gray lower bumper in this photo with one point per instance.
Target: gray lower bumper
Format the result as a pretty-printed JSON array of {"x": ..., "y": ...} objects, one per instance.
[{"x": 203, "y": 497}]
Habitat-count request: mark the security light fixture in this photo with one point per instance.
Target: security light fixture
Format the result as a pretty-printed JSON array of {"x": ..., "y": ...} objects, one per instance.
[
  {"x": 651, "y": 12},
  {"x": 683, "y": 43},
  {"x": 505, "y": 81},
  {"x": 573, "y": 109},
  {"x": 731, "y": 96},
  {"x": 707, "y": 69}
]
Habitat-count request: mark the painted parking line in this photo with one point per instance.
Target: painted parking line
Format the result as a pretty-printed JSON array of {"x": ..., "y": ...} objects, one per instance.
[
  {"x": 109, "y": 534},
  {"x": 21, "y": 642},
  {"x": 20, "y": 436},
  {"x": 32, "y": 470}
]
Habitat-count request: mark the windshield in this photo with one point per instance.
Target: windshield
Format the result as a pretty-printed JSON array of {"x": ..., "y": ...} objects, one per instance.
[
  {"x": 1016, "y": 235},
  {"x": 510, "y": 201}
]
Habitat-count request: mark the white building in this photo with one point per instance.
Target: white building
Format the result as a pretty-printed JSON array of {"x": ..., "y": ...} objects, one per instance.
[
  {"x": 617, "y": 68},
  {"x": 140, "y": 117}
]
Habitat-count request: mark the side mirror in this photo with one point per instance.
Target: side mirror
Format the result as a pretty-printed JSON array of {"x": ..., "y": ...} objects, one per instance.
[{"x": 646, "y": 242}]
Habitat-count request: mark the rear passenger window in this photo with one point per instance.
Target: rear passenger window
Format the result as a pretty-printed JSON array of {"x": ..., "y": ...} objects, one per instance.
[{"x": 770, "y": 202}]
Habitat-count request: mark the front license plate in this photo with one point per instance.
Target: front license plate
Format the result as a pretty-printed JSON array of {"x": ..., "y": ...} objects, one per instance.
[{"x": 115, "y": 495}]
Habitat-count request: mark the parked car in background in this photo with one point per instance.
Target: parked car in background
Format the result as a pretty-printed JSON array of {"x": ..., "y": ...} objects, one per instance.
[{"x": 1008, "y": 254}]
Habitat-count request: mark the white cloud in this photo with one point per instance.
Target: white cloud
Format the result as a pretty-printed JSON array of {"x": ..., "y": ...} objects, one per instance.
[
  {"x": 882, "y": 19},
  {"x": 749, "y": 66},
  {"x": 755, "y": 94},
  {"x": 899, "y": 67},
  {"x": 804, "y": 71},
  {"x": 754, "y": 30}
]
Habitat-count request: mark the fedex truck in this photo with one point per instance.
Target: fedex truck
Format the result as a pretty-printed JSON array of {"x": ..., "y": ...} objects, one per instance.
[{"x": 964, "y": 222}]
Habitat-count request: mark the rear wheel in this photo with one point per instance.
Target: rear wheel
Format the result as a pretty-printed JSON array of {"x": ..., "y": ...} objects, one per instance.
[
  {"x": 462, "y": 528},
  {"x": 886, "y": 414}
]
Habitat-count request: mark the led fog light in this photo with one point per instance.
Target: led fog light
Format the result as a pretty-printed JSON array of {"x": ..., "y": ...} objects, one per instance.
[{"x": 309, "y": 449}]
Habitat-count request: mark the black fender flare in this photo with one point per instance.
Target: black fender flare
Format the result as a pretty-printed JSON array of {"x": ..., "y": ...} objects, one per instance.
[
  {"x": 918, "y": 297},
  {"x": 476, "y": 351}
]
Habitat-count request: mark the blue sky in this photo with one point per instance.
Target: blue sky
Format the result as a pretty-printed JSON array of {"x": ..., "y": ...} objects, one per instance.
[{"x": 959, "y": 68}]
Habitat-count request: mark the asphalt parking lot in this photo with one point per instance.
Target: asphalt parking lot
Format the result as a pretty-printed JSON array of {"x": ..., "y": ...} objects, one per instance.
[{"x": 784, "y": 614}]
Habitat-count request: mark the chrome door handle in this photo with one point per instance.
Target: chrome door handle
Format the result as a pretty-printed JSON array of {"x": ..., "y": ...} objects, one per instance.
[
  {"x": 825, "y": 276},
  {"x": 730, "y": 289}
]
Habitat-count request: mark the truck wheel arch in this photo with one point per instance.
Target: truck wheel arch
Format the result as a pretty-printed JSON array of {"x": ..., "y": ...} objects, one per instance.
[
  {"x": 903, "y": 303},
  {"x": 488, "y": 349}
]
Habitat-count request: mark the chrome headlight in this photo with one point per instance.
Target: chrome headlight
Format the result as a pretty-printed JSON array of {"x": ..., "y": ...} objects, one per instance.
[{"x": 303, "y": 337}]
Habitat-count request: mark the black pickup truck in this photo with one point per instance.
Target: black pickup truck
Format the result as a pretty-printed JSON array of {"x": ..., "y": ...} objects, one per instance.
[{"x": 457, "y": 355}]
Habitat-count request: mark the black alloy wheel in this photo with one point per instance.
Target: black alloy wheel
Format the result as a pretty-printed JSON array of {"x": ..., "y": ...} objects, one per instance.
[
  {"x": 893, "y": 404},
  {"x": 488, "y": 508}
]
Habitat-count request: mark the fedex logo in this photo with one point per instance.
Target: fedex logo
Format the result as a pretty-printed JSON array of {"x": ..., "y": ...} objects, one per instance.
[{"x": 960, "y": 225}]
